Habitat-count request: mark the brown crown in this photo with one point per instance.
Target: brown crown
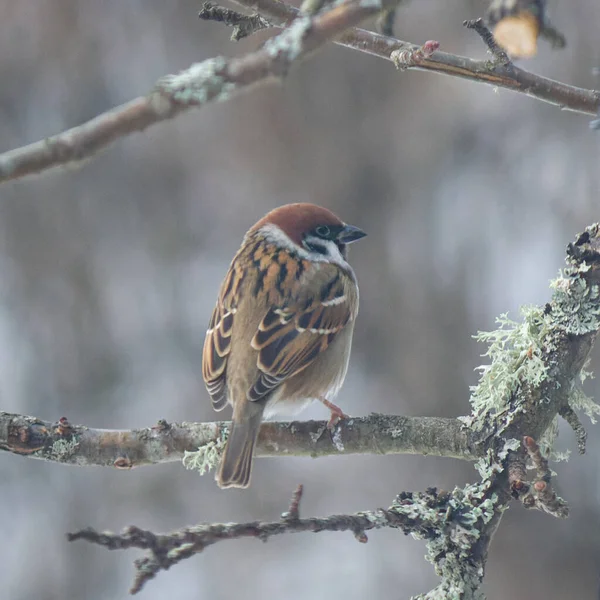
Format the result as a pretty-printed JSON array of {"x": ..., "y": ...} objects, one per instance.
[{"x": 298, "y": 219}]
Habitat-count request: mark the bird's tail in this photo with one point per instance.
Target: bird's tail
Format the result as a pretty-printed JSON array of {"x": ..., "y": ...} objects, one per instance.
[{"x": 236, "y": 464}]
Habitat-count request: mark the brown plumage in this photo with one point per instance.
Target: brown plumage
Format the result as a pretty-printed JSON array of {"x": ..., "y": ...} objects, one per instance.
[{"x": 281, "y": 331}]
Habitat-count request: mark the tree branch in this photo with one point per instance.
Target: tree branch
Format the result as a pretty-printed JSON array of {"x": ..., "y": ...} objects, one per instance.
[
  {"x": 423, "y": 515},
  {"x": 243, "y": 25},
  {"x": 218, "y": 79},
  {"x": 509, "y": 77},
  {"x": 377, "y": 434},
  {"x": 213, "y": 80},
  {"x": 488, "y": 39}
]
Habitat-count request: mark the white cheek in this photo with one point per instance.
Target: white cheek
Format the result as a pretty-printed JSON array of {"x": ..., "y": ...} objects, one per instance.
[{"x": 274, "y": 234}]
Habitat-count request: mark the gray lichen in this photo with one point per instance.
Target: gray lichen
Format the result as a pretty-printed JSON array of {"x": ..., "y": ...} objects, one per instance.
[
  {"x": 519, "y": 351},
  {"x": 207, "y": 457},
  {"x": 493, "y": 461},
  {"x": 289, "y": 44},
  {"x": 516, "y": 358},
  {"x": 576, "y": 306},
  {"x": 63, "y": 449},
  {"x": 201, "y": 83},
  {"x": 453, "y": 525}
]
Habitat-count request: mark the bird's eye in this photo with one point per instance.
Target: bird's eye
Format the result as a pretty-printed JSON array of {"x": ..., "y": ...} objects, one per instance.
[{"x": 323, "y": 231}]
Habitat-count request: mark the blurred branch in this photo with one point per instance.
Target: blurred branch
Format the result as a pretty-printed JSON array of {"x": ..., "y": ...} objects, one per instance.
[
  {"x": 213, "y": 80},
  {"x": 168, "y": 442},
  {"x": 510, "y": 77},
  {"x": 488, "y": 39},
  {"x": 517, "y": 24},
  {"x": 243, "y": 25},
  {"x": 218, "y": 79}
]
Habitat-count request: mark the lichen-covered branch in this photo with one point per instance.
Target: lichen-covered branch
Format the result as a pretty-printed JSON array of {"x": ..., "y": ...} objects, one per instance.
[
  {"x": 213, "y": 80},
  {"x": 78, "y": 445},
  {"x": 432, "y": 515}
]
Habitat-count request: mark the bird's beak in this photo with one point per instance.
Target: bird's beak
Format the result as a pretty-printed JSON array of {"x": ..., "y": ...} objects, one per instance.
[{"x": 350, "y": 234}]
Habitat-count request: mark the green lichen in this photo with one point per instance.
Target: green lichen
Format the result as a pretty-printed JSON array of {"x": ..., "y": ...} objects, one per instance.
[
  {"x": 522, "y": 361},
  {"x": 62, "y": 449},
  {"x": 515, "y": 352},
  {"x": 207, "y": 457},
  {"x": 518, "y": 352}
]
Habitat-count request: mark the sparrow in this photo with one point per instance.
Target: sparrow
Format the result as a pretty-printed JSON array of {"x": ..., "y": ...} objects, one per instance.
[{"x": 281, "y": 332}]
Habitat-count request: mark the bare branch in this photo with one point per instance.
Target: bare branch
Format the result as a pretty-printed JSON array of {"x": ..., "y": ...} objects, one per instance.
[
  {"x": 168, "y": 442},
  {"x": 218, "y": 79},
  {"x": 214, "y": 80},
  {"x": 570, "y": 416},
  {"x": 243, "y": 25},
  {"x": 486, "y": 35},
  {"x": 567, "y": 97}
]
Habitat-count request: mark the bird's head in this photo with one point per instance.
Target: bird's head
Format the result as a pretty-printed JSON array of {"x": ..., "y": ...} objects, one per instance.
[{"x": 312, "y": 231}]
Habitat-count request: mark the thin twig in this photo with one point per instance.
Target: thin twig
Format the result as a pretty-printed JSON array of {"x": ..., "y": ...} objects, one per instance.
[
  {"x": 570, "y": 416},
  {"x": 486, "y": 35},
  {"x": 243, "y": 25},
  {"x": 293, "y": 512},
  {"x": 542, "y": 494}
]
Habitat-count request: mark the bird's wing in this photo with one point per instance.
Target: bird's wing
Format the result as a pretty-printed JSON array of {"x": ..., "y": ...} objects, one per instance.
[
  {"x": 292, "y": 335},
  {"x": 217, "y": 344}
]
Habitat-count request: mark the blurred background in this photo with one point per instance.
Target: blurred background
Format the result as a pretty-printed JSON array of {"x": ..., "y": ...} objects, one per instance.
[{"x": 108, "y": 275}]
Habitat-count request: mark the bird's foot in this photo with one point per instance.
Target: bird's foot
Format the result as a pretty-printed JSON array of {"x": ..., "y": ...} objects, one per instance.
[{"x": 337, "y": 414}]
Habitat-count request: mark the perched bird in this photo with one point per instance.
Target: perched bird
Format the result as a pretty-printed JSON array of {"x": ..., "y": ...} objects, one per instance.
[{"x": 281, "y": 332}]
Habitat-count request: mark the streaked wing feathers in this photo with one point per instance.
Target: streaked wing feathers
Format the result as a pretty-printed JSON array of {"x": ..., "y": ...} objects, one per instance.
[
  {"x": 290, "y": 338},
  {"x": 217, "y": 344}
]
